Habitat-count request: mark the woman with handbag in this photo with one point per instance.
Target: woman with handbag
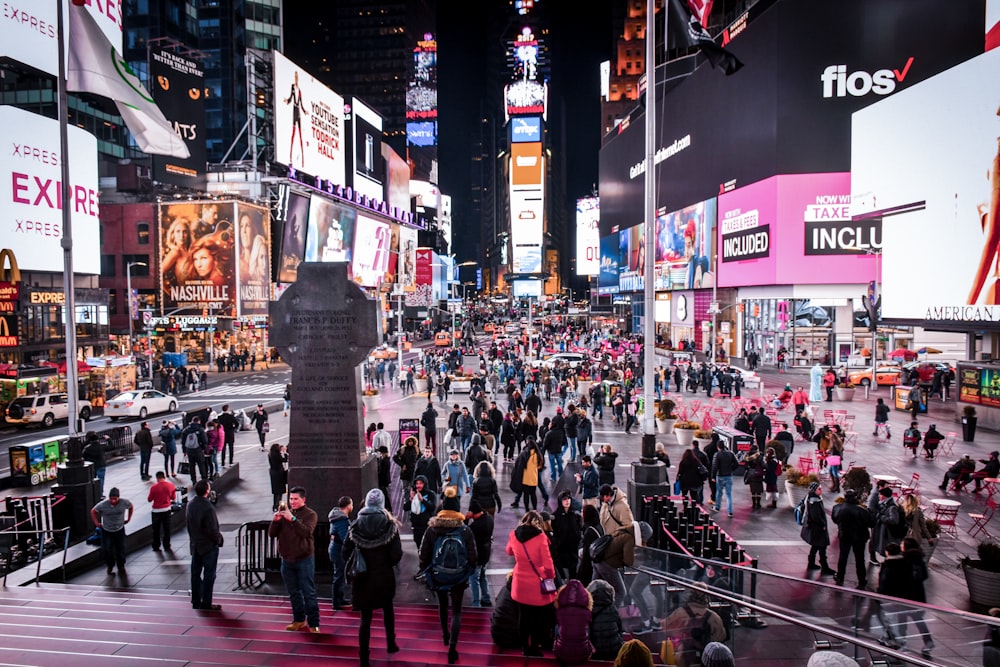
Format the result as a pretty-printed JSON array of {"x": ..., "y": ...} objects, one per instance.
[{"x": 533, "y": 585}]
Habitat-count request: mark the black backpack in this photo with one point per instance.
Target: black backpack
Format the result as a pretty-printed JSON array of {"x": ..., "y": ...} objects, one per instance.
[
  {"x": 599, "y": 548},
  {"x": 450, "y": 564}
]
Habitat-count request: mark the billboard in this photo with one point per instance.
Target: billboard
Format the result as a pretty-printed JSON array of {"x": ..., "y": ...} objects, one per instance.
[
  {"x": 331, "y": 231},
  {"x": 525, "y": 129},
  {"x": 407, "y": 273},
  {"x": 423, "y": 278},
  {"x": 421, "y": 96},
  {"x": 795, "y": 229},
  {"x": 369, "y": 170},
  {"x": 607, "y": 280},
  {"x": 198, "y": 257},
  {"x": 397, "y": 193},
  {"x": 632, "y": 258},
  {"x": 28, "y": 30},
  {"x": 308, "y": 123},
  {"x": 423, "y": 133},
  {"x": 526, "y": 164},
  {"x": 527, "y": 206},
  {"x": 685, "y": 247},
  {"x": 293, "y": 237},
  {"x": 933, "y": 175},
  {"x": 30, "y": 174},
  {"x": 254, "y": 258},
  {"x": 178, "y": 87},
  {"x": 588, "y": 236},
  {"x": 372, "y": 246}
]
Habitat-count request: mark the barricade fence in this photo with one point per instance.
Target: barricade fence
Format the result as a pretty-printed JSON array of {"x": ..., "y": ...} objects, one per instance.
[
  {"x": 257, "y": 553},
  {"x": 28, "y": 531}
]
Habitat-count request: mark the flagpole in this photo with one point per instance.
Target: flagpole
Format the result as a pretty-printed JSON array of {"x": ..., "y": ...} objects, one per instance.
[
  {"x": 69, "y": 319},
  {"x": 649, "y": 320}
]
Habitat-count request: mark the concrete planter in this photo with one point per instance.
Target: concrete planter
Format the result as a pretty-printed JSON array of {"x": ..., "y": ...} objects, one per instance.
[
  {"x": 665, "y": 426},
  {"x": 984, "y": 586},
  {"x": 370, "y": 402},
  {"x": 795, "y": 493},
  {"x": 844, "y": 393},
  {"x": 685, "y": 436}
]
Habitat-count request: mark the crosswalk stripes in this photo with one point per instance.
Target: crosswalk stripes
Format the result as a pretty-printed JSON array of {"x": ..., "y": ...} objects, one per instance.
[{"x": 276, "y": 389}]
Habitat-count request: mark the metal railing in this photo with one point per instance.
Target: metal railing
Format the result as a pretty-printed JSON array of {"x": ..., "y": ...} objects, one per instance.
[
  {"x": 27, "y": 524},
  {"x": 257, "y": 553}
]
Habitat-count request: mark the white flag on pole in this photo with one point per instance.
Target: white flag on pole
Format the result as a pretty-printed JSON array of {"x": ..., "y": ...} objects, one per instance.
[{"x": 94, "y": 66}]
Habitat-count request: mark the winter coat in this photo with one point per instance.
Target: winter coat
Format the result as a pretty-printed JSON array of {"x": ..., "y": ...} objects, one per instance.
[
  {"x": 590, "y": 482},
  {"x": 918, "y": 570},
  {"x": 168, "y": 438},
  {"x": 689, "y": 475},
  {"x": 533, "y": 463},
  {"x": 504, "y": 618},
  {"x": 482, "y": 532},
  {"x": 573, "y": 617},
  {"x": 429, "y": 504},
  {"x": 585, "y": 571},
  {"x": 566, "y": 532},
  {"x": 486, "y": 493},
  {"x": 339, "y": 524},
  {"x": 895, "y": 577},
  {"x": 605, "y": 463},
  {"x": 605, "y": 622},
  {"x": 376, "y": 534},
  {"x": 887, "y": 513},
  {"x": 555, "y": 440},
  {"x": 276, "y": 471},
  {"x": 814, "y": 529},
  {"x": 917, "y": 526},
  {"x": 455, "y": 474},
  {"x": 616, "y": 514},
  {"x": 428, "y": 468},
  {"x": 853, "y": 521},
  {"x": 621, "y": 550},
  {"x": 527, "y": 543},
  {"x": 572, "y": 425},
  {"x": 406, "y": 458},
  {"x": 443, "y": 523},
  {"x": 474, "y": 456}
]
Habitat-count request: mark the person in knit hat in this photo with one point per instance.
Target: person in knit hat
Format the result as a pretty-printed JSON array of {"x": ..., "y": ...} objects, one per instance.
[
  {"x": 634, "y": 653},
  {"x": 830, "y": 659},
  {"x": 815, "y": 531},
  {"x": 448, "y": 523},
  {"x": 717, "y": 655}
]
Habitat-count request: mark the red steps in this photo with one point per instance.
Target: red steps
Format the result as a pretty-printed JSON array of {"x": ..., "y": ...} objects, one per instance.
[{"x": 67, "y": 626}]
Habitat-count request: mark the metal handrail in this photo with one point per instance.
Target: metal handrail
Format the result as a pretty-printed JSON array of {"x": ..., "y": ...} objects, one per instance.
[{"x": 41, "y": 547}]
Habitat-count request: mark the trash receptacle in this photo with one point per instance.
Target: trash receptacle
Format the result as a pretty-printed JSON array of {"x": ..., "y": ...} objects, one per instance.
[{"x": 27, "y": 465}]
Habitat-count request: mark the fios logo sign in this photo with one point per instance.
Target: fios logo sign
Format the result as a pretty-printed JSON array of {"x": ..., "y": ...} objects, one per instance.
[{"x": 838, "y": 83}]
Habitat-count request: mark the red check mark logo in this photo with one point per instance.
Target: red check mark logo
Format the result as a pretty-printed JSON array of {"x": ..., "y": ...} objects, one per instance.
[{"x": 902, "y": 75}]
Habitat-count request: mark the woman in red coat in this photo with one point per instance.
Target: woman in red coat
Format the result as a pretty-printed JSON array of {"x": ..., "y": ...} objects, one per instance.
[{"x": 529, "y": 545}]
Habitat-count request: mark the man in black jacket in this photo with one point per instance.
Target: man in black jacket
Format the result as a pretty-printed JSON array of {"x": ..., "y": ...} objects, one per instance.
[
  {"x": 481, "y": 524},
  {"x": 854, "y": 524},
  {"x": 144, "y": 441},
  {"x": 194, "y": 448},
  {"x": 724, "y": 465},
  {"x": 229, "y": 425},
  {"x": 553, "y": 444},
  {"x": 206, "y": 540}
]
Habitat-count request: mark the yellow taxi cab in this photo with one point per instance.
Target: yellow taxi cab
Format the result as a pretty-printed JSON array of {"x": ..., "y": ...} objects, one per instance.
[
  {"x": 442, "y": 339},
  {"x": 884, "y": 375},
  {"x": 385, "y": 352},
  {"x": 489, "y": 327}
]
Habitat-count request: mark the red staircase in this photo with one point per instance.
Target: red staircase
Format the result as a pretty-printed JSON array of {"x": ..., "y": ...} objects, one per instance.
[{"x": 69, "y": 626}]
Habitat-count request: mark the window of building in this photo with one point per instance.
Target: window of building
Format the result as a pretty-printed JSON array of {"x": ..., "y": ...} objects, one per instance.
[
  {"x": 142, "y": 230},
  {"x": 108, "y": 266}
]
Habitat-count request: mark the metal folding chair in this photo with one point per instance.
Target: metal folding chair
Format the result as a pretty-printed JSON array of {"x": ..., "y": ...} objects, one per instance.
[
  {"x": 911, "y": 488},
  {"x": 981, "y": 520},
  {"x": 948, "y": 443},
  {"x": 947, "y": 518}
]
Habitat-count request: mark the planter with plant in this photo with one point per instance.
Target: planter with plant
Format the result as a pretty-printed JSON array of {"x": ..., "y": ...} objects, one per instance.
[
  {"x": 858, "y": 479},
  {"x": 982, "y": 575},
  {"x": 797, "y": 485},
  {"x": 665, "y": 417},
  {"x": 684, "y": 430},
  {"x": 844, "y": 391},
  {"x": 369, "y": 397},
  {"x": 703, "y": 436},
  {"x": 969, "y": 421}
]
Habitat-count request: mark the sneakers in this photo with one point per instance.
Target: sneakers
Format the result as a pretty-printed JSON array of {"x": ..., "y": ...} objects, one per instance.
[
  {"x": 644, "y": 629},
  {"x": 296, "y": 625},
  {"x": 828, "y": 571}
]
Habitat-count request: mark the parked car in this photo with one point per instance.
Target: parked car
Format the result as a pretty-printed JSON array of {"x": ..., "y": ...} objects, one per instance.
[
  {"x": 43, "y": 409},
  {"x": 884, "y": 376},
  {"x": 139, "y": 404}
]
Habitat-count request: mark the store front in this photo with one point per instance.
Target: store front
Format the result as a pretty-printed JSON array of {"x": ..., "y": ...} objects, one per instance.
[
  {"x": 804, "y": 330},
  {"x": 37, "y": 331}
]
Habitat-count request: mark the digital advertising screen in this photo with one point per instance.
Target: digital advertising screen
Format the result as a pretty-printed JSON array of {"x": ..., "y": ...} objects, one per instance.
[
  {"x": 398, "y": 190},
  {"x": 198, "y": 257},
  {"x": 422, "y": 133},
  {"x": 253, "y": 230},
  {"x": 525, "y": 129},
  {"x": 526, "y": 164},
  {"x": 407, "y": 273},
  {"x": 293, "y": 238},
  {"x": 372, "y": 246},
  {"x": 30, "y": 174},
  {"x": 927, "y": 161},
  {"x": 178, "y": 87},
  {"x": 308, "y": 123},
  {"x": 607, "y": 280},
  {"x": 421, "y": 96},
  {"x": 979, "y": 384},
  {"x": 685, "y": 247},
  {"x": 588, "y": 236},
  {"x": 527, "y": 210},
  {"x": 331, "y": 231},
  {"x": 369, "y": 171},
  {"x": 632, "y": 258}
]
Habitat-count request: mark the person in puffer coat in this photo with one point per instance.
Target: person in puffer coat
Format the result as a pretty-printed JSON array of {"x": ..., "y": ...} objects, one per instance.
[
  {"x": 504, "y": 619},
  {"x": 573, "y": 616},
  {"x": 605, "y": 622}
]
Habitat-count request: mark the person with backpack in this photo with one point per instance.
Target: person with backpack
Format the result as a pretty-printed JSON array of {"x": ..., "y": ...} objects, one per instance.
[
  {"x": 481, "y": 523},
  {"x": 591, "y": 532},
  {"x": 374, "y": 535},
  {"x": 447, "y": 559},
  {"x": 195, "y": 444},
  {"x": 533, "y": 584},
  {"x": 340, "y": 521},
  {"x": 692, "y": 626},
  {"x": 612, "y": 552},
  {"x": 912, "y": 437},
  {"x": 573, "y": 616},
  {"x": 615, "y": 512},
  {"x": 815, "y": 531},
  {"x": 605, "y": 621}
]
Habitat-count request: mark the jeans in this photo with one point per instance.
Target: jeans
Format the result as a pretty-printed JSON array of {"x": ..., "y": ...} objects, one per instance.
[
  {"x": 336, "y": 553},
  {"x": 479, "y": 584},
  {"x": 99, "y": 474},
  {"x": 724, "y": 484},
  {"x": 203, "y": 578},
  {"x": 213, "y": 465},
  {"x": 161, "y": 527},
  {"x": 113, "y": 547},
  {"x": 613, "y": 576},
  {"x": 571, "y": 445},
  {"x": 144, "y": 456},
  {"x": 466, "y": 440},
  {"x": 300, "y": 580},
  {"x": 598, "y": 409},
  {"x": 555, "y": 466}
]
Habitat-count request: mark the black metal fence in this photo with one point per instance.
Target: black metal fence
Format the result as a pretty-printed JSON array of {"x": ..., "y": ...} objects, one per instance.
[
  {"x": 28, "y": 530},
  {"x": 257, "y": 553}
]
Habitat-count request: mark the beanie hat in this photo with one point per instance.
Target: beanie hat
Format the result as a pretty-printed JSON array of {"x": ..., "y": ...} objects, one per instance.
[
  {"x": 451, "y": 500},
  {"x": 830, "y": 659},
  {"x": 475, "y": 507},
  {"x": 645, "y": 530},
  {"x": 885, "y": 492},
  {"x": 634, "y": 653},
  {"x": 375, "y": 499},
  {"x": 813, "y": 487},
  {"x": 717, "y": 655}
]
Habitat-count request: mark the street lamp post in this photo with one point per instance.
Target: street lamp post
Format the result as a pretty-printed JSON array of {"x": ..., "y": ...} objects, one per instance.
[{"x": 131, "y": 314}]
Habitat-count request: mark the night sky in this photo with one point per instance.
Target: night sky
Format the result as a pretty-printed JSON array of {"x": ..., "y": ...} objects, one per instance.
[{"x": 581, "y": 38}]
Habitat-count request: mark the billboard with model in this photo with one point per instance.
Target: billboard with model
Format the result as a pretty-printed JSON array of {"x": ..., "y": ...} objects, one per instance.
[
  {"x": 198, "y": 257},
  {"x": 588, "y": 236}
]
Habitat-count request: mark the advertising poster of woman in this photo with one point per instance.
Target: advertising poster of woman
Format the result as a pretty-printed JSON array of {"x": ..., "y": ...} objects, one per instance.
[
  {"x": 293, "y": 238},
  {"x": 254, "y": 224},
  {"x": 407, "y": 256},
  {"x": 198, "y": 263},
  {"x": 331, "y": 231}
]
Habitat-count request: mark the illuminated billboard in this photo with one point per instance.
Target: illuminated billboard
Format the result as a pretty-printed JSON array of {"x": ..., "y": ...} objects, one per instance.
[
  {"x": 527, "y": 206},
  {"x": 407, "y": 273},
  {"x": 331, "y": 231},
  {"x": 178, "y": 87},
  {"x": 198, "y": 257},
  {"x": 526, "y": 164},
  {"x": 372, "y": 245},
  {"x": 308, "y": 123},
  {"x": 30, "y": 177},
  {"x": 588, "y": 236},
  {"x": 526, "y": 95},
  {"x": 632, "y": 258},
  {"x": 28, "y": 30},
  {"x": 253, "y": 268},
  {"x": 926, "y": 161},
  {"x": 525, "y": 129},
  {"x": 421, "y": 96},
  {"x": 685, "y": 247},
  {"x": 293, "y": 238},
  {"x": 607, "y": 282},
  {"x": 369, "y": 172},
  {"x": 422, "y": 133}
]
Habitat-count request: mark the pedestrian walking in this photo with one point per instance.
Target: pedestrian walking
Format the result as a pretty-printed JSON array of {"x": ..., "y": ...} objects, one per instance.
[
  {"x": 815, "y": 530},
  {"x": 294, "y": 526},
  {"x": 205, "y": 540},
  {"x": 195, "y": 445},
  {"x": 259, "y": 420},
  {"x": 230, "y": 425},
  {"x": 482, "y": 524},
  {"x": 277, "y": 470},
  {"x": 423, "y": 502}
]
